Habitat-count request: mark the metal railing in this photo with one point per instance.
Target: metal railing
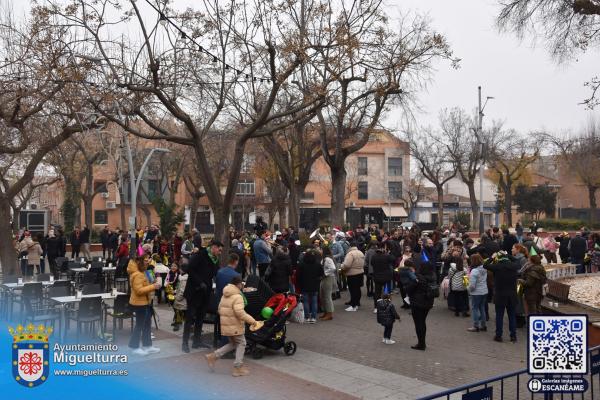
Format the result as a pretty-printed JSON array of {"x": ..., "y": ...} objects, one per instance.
[{"x": 513, "y": 385}]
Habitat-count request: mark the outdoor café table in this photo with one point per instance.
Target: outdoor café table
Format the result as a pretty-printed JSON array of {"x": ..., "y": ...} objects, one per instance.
[
  {"x": 64, "y": 301},
  {"x": 10, "y": 288}
]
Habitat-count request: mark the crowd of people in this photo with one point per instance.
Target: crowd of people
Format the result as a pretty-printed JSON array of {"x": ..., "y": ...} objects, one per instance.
[{"x": 502, "y": 267}]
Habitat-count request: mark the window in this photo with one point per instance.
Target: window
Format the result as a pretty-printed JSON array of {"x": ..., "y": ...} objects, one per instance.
[
  {"x": 395, "y": 190},
  {"x": 362, "y": 166},
  {"x": 245, "y": 188},
  {"x": 247, "y": 164},
  {"x": 153, "y": 190},
  {"x": 100, "y": 187},
  {"x": 308, "y": 196},
  {"x": 363, "y": 190},
  {"x": 100, "y": 217},
  {"x": 395, "y": 166}
]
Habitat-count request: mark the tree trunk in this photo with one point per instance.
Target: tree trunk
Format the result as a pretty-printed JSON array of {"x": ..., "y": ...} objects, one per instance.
[
  {"x": 193, "y": 212},
  {"x": 123, "y": 222},
  {"x": 440, "y": 196},
  {"x": 592, "y": 198},
  {"x": 222, "y": 229},
  {"x": 294, "y": 206},
  {"x": 8, "y": 255},
  {"x": 282, "y": 222},
  {"x": 87, "y": 207},
  {"x": 508, "y": 204},
  {"x": 474, "y": 206},
  {"x": 338, "y": 195}
]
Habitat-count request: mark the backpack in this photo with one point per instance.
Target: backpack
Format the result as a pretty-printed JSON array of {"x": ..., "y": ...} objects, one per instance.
[{"x": 433, "y": 290}]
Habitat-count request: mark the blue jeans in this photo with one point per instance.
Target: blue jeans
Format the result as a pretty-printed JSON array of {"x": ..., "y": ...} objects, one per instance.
[
  {"x": 478, "y": 310},
  {"x": 512, "y": 318},
  {"x": 143, "y": 321},
  {"x": 309, "y": 300}
]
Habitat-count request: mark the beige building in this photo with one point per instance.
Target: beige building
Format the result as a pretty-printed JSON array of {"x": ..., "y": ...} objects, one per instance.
[{"x": 378, "y": 176}]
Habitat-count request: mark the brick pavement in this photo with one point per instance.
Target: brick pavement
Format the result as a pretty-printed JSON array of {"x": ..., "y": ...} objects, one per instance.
[{"x": 453, "y": 356}]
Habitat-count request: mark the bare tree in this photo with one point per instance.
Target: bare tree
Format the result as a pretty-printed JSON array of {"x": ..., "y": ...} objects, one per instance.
[
  {"x": 294, "y": 151},
  {"x": 369, "y": 65},
  {"x": 414, "y": 193},
  {"x": 230, "y": 81},
  {"x": 38, "y": 103},
  {"x": 466, "y": 153},
  {"x": 509, "y": 161},
  {"x": 580, "y": 155},
  {"x": 567, "y": 27},
  {"x": 435, "y": 164}
]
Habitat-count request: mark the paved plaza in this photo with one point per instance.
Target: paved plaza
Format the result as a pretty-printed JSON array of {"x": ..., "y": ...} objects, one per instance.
[{"x": 344, "y": 358}]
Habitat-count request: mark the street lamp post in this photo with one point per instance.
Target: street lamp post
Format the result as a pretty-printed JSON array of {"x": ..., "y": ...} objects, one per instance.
[
  {"x": 134, "y": 183},
  {"x": 479, "y": 135}
]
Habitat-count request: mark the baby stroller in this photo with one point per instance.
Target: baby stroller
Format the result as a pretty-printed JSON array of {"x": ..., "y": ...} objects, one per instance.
[{"x": 273, "y": 334}]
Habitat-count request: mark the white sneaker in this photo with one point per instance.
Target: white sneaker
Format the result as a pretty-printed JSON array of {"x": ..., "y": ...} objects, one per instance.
[
  {"x": 375, "y": 311},
  {"x": 140, "y": 352},
  {"x": 152, "y": 336},
  {"x": 352, "y": 308},
  {"x": 313, "y": 321},
  {"x": 384, "y": 340},
  {"x": 151, "y": 350},
  {"x": 390, "y": 341}
]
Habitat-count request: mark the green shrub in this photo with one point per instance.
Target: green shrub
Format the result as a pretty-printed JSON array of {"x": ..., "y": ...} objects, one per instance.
[{"x": 562, "y": 224}]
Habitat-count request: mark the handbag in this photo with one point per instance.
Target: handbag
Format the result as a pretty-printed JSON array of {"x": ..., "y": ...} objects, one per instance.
[{"x": 298, "y": 314}]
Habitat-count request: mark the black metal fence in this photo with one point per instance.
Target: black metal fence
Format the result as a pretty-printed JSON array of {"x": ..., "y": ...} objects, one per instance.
[{"x": 514, "y": 386}]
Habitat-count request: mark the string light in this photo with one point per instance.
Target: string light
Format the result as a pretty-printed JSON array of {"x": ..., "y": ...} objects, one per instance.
[{"x": 165, "y": 21}]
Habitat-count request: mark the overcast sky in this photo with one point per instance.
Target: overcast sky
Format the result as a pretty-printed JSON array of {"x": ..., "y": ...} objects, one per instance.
[{"x": 531, "y": 91}]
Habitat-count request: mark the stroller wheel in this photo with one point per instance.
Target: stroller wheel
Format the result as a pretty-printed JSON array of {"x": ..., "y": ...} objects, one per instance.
[
  {"x": 257, "y": 353},
  {"x": 290, "y": 348},
  {"x": 250, "y": 347}
]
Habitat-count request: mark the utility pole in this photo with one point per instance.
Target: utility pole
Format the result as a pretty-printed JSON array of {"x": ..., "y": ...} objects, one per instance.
[
  {"x": 479, "y": 134},
  {"x": 480, "y": 139}
]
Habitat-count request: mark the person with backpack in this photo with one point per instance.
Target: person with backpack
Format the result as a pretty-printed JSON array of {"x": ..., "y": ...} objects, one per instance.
[
  {"x": 386, "y": 316},
  {"x": 419, "y": 286},
  {"x": 383, "y": 272}
]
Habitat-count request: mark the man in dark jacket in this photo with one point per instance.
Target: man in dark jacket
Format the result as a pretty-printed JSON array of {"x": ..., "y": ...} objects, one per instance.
[
  {"x": 85, "y": 242},
  {"x": 383, "y": 272},
  {"x": 105, "y": 241},
  {"x": 281, "y": 270},
  {"x": 577, "y": 250},
  {"x": 505, "y": 270},
  {"x": 203, "y": 267},
  {"x": 113, "y": 244},
  {"x": 508, "y": 241},
  {"x": 563, "y": 249}
]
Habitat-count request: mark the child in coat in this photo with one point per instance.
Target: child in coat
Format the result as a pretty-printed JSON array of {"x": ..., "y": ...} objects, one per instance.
[{"x": 386, "y": 316}]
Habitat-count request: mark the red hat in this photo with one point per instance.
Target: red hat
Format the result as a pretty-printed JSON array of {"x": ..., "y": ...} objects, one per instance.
[{"x": 349, "y": 233}]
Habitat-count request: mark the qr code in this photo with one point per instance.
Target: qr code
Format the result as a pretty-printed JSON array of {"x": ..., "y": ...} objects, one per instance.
[{"x": 558, "y": 344}]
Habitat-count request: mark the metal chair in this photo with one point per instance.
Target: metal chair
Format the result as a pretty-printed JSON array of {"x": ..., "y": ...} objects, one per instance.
[
  {"x": 36, "y": 316},
  {"x": 5, "y": 295},
  {"x": 32, "y": 291},
  {"x": 120, "y": 311},
  {"x": 91, "y": 288},
  {"x": 88, "y": 313}
]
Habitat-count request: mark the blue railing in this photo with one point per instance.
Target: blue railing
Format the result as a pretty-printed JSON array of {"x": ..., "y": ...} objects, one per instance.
[{"x": 513, "y": 385}]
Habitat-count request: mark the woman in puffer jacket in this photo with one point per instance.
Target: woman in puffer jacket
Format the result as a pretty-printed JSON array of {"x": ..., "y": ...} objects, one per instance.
[
  {"x": 233, "y": 317},
  {"x": 478, "y": 291}
]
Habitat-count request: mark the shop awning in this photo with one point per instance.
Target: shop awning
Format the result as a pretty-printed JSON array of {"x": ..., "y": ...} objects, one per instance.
[{"x": 395, "y": 211}]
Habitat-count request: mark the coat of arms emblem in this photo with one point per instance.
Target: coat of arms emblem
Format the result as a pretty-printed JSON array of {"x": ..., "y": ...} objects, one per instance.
[{"x": 30, "y": 354}]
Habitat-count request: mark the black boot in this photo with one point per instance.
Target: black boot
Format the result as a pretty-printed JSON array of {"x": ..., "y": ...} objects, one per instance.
[{"x": 185, "y": 347}]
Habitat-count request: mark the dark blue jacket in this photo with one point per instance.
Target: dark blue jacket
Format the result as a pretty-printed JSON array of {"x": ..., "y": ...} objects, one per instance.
[{"x": 224, "y": 277}]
